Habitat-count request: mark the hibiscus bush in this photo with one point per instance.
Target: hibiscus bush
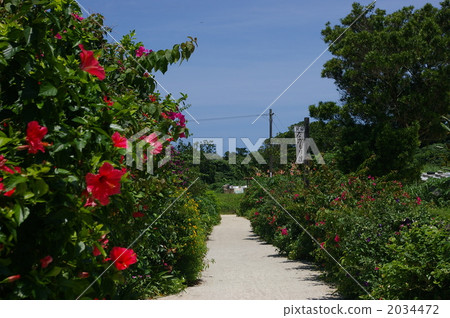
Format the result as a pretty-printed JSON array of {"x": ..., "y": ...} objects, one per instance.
[
  {"x": 75, "y": 220},
  {"x": 384, "y": 236}
]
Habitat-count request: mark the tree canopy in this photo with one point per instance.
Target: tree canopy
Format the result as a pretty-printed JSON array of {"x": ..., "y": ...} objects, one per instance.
[{"x": 392, "y": 71}]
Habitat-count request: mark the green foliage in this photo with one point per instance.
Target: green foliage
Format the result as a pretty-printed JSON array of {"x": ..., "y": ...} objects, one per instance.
[
  {"x": 420, "y": 267},
  {"x": 45, "y": 209},
  {"x": 218, "y": 171},
  {"x": 386, "y": 237},
  {"x": 229, "y": 202},
  {"x": 392, "y": 72},
  {"x": 436, "y": 191},
  {"x": 434, "y": 157},
  {"x": 210, "y": 207}
]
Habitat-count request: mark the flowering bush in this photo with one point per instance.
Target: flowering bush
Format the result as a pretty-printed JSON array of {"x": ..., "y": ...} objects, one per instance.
[
  {"x": 67, "y": 201},
  {"x": 385, "y": 237}
]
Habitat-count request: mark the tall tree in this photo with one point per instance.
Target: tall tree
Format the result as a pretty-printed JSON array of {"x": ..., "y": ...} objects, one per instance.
[{"x": 392, "y": 71}]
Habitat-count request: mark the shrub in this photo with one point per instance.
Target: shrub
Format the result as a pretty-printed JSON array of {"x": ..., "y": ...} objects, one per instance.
[
  {"x": 68, "y": 202},
  {"x": 436, "y": 191},
  {"x": 369, "y": 225},
  {"x": 420, "y": 265}
]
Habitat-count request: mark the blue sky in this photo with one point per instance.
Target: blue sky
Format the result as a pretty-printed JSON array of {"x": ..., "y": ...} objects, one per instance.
[{"x": 249, "y": 52}]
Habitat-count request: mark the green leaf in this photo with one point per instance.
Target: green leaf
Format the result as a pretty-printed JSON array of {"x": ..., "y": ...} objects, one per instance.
[
  {"x": 80, "y": 247},
  {"x": 61, "y": 171},
  {"x": 100, "y": 248},
  {"x": 169, "y": 56},
  {"x": 72, "y": 178},
  {"x": 60, "y": 147},
  {"x": 80, "y": 120},
  {"x": 176, "y": 53},
  {"x": 4, "y": 141},
  {"x": 116, "y": 127},
  {"x": 40, "y": 188},
  {"x": 80, "y": 144},
  {"x": 27, "y": 33},
  {"x": 162, "y": 65},
  {"x": 28, "y": 195},
  {"x": 48, "y": 89},
  {"x": 10, "y": 51},
  {"x": 13, "y": 181},
  {"x": 95, "y": 159},
  {"x": 20, "y": 214},
  {"x": 54, "y": 271},
  {"x": 118, "y": 277},
  {"x": 101, "y": 131}
]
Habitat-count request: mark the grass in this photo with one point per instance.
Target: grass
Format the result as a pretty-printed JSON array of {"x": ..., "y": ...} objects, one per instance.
[{"x": 229, "y": 203}]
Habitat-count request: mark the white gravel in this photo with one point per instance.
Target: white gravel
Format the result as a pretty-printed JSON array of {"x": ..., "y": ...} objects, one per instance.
[{"x": 243, "y": 267}]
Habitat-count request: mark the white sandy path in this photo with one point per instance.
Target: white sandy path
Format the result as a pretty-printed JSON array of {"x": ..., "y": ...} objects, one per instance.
[{"x": 246, "y": 268}]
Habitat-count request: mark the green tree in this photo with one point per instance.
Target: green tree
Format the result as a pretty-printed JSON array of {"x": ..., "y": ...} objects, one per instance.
[{"x": 392, "y": 71}]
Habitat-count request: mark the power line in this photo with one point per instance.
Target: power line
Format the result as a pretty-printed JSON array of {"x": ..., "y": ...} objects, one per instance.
[
  {"x": 279, "y": 120},
  {"x": 278, "y": 117},
  {"x": 231, "y": 117},
  {"x": 279, "y": 131}
]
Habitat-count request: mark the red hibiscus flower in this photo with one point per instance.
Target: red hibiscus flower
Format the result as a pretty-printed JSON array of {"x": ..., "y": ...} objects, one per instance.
[
  {"x": 141, "y": 51},
  {"x": 96, "y": 251},
  {"x": 284, "y": 231},
  {"x": 13, "y": 278},
  {"x": 9, "y": 193},
  {"x": 35, "y": 134},
  {"x": 138, "y": 214},
  {"x": 4, "y": 167},
  {"x": 122, "y": 257},
  {"x": 90, "y": 64},
  {"x": 46, "y": 261},
  {"x": 152, "y": 98},
  {"x": 103, "y": 242},
  {"x": 337, "y": 238},
  {"x": 76, "y": 16},
  {"x": 119, "y": 141},
  {"x": 89, "y": 199},
  {"x": 105, "y": 183},
  {"x": 179, "y": 118},
  {"x": 108, "y": 101},
  {"x": 2, "y": 188},
  {"x": 83, "y": 275},
  {"x": 153, "y": 141}
]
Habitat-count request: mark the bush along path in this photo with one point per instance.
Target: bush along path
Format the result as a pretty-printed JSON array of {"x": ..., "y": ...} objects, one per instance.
[
  {"x": 70, "y": 207},
  {"x": 389, "y": 239},
  {"x": 243, "y": 267}
]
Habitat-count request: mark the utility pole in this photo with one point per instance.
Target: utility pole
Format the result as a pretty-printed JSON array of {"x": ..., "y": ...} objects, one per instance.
[
  {"x": 306, "y": 162},
  {"x": 270, "y": 145},
  {"x": 306, "y": 123}
]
